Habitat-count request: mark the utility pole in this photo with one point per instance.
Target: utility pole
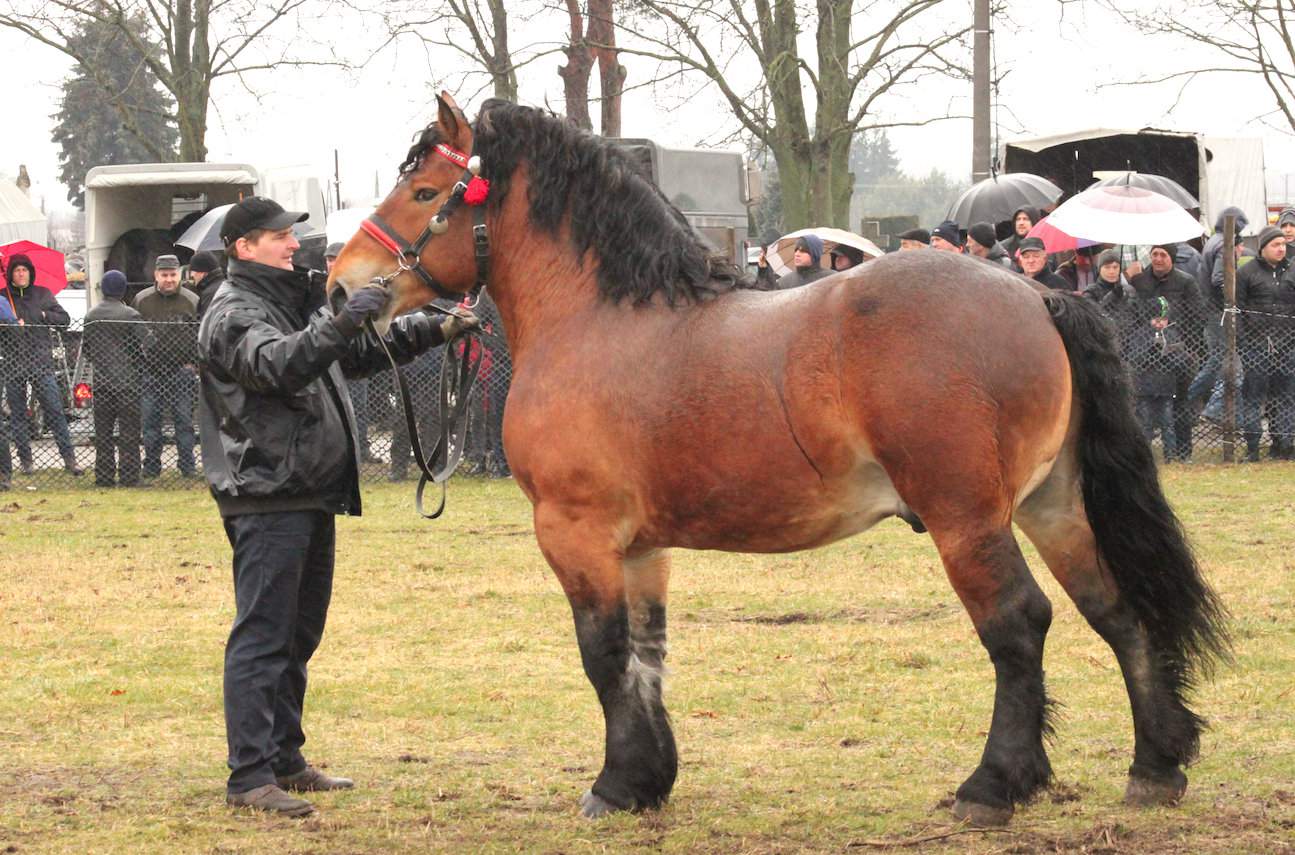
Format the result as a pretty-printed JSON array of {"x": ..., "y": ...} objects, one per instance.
[
  {"x": 980, "y": 155},
  {"x": 337, "y": 182}
]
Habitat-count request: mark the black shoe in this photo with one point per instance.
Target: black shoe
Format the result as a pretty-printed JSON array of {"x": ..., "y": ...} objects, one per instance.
[
  {"x": 26, "y": 467},
  {"x": 271, "y": 799},
  {"x": 311, "y": 780}
]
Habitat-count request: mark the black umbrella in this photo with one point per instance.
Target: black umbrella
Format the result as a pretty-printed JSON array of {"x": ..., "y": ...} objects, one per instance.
[
  {"x": 1155, "y": 183},
  {"x": 996, "y": 199}
]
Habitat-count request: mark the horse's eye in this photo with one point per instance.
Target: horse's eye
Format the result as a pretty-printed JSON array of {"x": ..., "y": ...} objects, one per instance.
[{"x": 425, "y": 195}]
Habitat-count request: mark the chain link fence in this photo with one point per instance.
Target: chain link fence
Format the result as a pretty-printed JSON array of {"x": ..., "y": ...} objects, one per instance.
[{"x": 130, "y": 417}]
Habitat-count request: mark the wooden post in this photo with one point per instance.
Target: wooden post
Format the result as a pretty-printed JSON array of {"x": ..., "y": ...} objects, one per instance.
[{"x": 1229, "y": 339}]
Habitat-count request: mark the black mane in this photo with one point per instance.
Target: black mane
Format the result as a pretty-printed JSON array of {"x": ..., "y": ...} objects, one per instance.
[{"x": 644, "y": 246}]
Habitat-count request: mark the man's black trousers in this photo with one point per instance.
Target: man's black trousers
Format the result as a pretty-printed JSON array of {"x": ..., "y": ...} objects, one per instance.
[
  {"x": 283, "y": 579},
  {"x": 116, "y": 405}
]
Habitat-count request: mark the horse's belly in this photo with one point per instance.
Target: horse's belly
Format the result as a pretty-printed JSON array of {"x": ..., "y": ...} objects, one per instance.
[{"x": 780, "y": 517}]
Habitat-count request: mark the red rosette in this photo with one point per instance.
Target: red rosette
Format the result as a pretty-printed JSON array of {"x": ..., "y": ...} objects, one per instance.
[{"x": 478, "y": 190}]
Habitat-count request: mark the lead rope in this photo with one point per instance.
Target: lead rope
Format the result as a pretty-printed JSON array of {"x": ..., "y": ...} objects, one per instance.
[{"x": 458, "y": 374}]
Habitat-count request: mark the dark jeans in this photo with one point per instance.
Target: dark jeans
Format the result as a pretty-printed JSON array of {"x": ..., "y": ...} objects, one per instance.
[
  {"x": 45, "y": 390},
  {"x": 168, "y": 393},
  {"x": 6, "y": 462},
  {"x": 283, "y": 580},
  {"x": 1156, "y": 412},
  {"x": 116, "y": 406}
]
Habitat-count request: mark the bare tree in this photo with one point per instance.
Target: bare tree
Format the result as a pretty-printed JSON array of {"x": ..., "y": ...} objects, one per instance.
[
  {"x": 201, "y": 42},
  {"x": 1249, "y": 37},
  {"x": 862, "y": 56},
  {"x": 593, "y": 41}
]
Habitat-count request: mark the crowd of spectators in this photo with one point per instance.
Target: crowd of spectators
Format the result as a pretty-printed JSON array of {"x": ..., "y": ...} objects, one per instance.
[{"x": 1167, "y": 305}]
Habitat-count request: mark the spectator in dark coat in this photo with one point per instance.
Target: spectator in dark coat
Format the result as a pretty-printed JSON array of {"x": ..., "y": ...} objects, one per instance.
[
  {"x": 1033, "y": 257},
  {"x": 8, "y": 340},
  {"x": 170, "y": 380},
  {"x": 1187, "y": 311},
  {"x": 1161, "y": 364},
  {"x": 947, "y": 236},
  {"x": 765, "y": 278},
  {"x": 1266, "y": 298},
  {"x": 1024, "y": 218},
  {"x": 914, "y": 239},
  {"x": 982, "y": 244},
  {"x": 844, "y": 257},
  {"x": 206, "y": 275},
  {"x": 806, "y": 262},
  {"x": 37, "y": 312},
  {"x": 1112, "y": 292},
  {"x": 115, "y": 339}
]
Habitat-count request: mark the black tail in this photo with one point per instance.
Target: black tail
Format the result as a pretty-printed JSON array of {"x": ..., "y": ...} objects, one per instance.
[{"x": 1139, "y": 538}]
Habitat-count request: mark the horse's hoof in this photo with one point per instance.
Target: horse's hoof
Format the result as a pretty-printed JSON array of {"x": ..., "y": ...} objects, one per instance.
[
  {"x": 1145, "y": 792},
  {"x": 593, "y": 806},
  {"x": 982, "y": 816}
]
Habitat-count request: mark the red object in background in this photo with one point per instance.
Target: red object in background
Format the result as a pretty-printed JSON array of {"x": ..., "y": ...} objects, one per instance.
[
  {"x": 50, "y": 271},
  {"x": 81, "y": 394}
]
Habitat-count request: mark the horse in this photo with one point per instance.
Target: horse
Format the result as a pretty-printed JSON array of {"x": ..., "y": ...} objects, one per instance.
[{"x": 658, "y": 401}]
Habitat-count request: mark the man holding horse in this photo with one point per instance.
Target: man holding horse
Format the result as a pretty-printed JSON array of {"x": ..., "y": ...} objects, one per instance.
[{"x": 274, "y": 406}]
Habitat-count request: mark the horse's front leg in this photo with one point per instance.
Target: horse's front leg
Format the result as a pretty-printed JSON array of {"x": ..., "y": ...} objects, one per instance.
[{"x": 619, "y": 610}]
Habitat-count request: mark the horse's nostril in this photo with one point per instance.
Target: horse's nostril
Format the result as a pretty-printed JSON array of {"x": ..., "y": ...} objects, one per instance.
[{"x": 337, "y": 299}]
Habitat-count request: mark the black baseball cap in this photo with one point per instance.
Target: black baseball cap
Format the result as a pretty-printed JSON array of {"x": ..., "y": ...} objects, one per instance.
[
  {"x": 256, "y": 212},
  {"x": 334, "y": 249}
]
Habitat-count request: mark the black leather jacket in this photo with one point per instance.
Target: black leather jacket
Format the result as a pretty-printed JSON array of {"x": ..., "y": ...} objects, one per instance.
[{"x": 277, "y": 428}]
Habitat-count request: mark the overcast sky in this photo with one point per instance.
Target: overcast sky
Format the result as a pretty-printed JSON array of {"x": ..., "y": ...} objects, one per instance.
[{"x": 1055, "y": 70}]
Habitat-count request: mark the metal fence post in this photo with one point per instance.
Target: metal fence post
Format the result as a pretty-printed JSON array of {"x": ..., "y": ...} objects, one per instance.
[{"x": 1229, "y": 338}]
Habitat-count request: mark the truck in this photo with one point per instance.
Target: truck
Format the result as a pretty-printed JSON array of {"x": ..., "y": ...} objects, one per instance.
[
  {"x": 712, "y": 188},
  {"x": 1218, "y": 171}
]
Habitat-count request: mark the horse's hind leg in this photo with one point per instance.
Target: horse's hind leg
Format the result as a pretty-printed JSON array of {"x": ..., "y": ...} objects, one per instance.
[
  {"x": 1166, "y": 733},
  {"x": 1012, "y": 616},
  {"x": 619, "y": 609}
]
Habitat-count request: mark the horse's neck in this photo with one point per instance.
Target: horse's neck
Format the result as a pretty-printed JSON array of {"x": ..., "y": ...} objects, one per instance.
[{"x": 539, "y": 285}]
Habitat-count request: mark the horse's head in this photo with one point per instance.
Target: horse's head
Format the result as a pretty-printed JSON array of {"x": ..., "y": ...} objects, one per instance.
[{"x": 419, "y": 241}]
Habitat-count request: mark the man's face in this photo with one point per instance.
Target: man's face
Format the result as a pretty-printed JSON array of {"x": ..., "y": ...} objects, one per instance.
[
  {"x": 197, "y": 275},
  {"x": 1288, "y": 230},
  {"x": 802, "y": 258},
  {"x": 841, "y": 262},
  {"x": 905, "y": 243},
  {"x": 1032, "y": 261},
  {"x": 273, "y": 249},
  {"x": 167, "y": 281},
  {"x": 1161, "y": 262},
  {"x": 1110, "y": 272},
  {"x": 976, "y": 249},
  {"x": 1274, "y": 251},
  {"x": 330, "y": 260},
  {"x": 938, "y": 242},
  {"x": 21, "y": 277},
  {"x": 1023, "y": 224}
]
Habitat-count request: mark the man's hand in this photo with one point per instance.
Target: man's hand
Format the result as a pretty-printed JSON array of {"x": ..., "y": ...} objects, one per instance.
[
  {"x": 459, "y": 323},
  {"x": 366, "y": 303}
]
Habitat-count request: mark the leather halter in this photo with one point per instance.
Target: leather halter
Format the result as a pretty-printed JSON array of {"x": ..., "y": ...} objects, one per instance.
[{"x": 409, "y": 255}]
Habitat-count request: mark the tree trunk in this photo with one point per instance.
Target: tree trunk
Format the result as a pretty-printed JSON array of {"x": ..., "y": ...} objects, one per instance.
[
  {"x": 575, "y": 74},
  {"x": 832, "y": 114},
  {"x": 501, "y": 68},
  {"x": 611, "y": 74}
]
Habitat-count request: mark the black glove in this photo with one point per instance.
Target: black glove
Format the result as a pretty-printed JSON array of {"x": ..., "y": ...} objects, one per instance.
[
  {"x": 365, "y": 303},
  {"x": 460, "y": 323}
]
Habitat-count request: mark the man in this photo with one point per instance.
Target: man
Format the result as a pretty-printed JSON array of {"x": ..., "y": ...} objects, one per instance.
[
  {"x": 115, "y": 340},
  {"x": 765, "y": 279},
  {"x": 914, "y": 239},
  {"x": 1266, "y": 299},
  {"x": 169, "y": 366},
  {"x": 946, "y": 236},
  {"x": 844, "y": 257},
  {"x": 206, "y": 275},
  {"x": 360, "y": 386},
  {"x": 279, "y": 453},
  {"x": 1033, "y": 257},
  {"x": 805, "y": 262},
  {"x": 982, "y": 243},
  {"x": 37, "y": 312},
  {"x": 1187, "y": 311},
  {"x": 1023, "y": 219},
  {"x": 8, "y": 341}
]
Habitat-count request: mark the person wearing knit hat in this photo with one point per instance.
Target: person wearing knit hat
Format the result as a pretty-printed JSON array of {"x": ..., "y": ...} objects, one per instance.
[
  {"x": 206, "y": 275},
  {"x": 1187, "y": 310},
  {"x": 915, "y": 239},
  {"x": 1109, "y": 289},
  {"x": 806, "y": 260},
  {"x": 946, "y": 236},
  {"x": 32, "y": 355},
  {"x": 982, "y": 242},
  {"x": 1263, "y": 295},
  {"x": 114, "y": 341}
]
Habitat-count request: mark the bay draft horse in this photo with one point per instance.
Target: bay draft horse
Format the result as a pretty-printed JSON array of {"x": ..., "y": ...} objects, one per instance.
[{"x": 656, "y": 402}]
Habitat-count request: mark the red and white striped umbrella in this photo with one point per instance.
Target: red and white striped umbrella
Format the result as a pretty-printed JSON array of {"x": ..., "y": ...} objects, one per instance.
[{"x": 1124, "y": 214}]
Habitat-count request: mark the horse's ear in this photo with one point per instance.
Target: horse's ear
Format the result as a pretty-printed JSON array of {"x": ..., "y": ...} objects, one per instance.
[{"x": 448, "y": 117}]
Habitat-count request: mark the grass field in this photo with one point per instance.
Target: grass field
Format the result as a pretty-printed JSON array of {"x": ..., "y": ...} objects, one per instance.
[{"x": 822, "y": 701}]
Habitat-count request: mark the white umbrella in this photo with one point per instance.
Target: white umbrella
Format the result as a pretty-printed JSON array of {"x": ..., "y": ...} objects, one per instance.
[
  {"x": 783, "y": 248},
  {"x": 345, "y": 222},
  {"x": 1124, "y": 214}
]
